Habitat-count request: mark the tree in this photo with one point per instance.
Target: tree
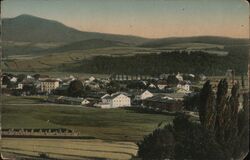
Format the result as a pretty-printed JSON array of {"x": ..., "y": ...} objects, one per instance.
[
  {"x": 205, "y": 140},
  {"x": 136, "y": 85},
  {"x": 242, "y": 81},
  {"x": 21, "y": 77},
  {"x": 172, "y": 80},
  {"x": 30, "y": 89},
  {"x": 243, "y": 127},
  {"x": 222, "y": 110},
  {"x": 6, "y": 80},
  {"x": 195, "y": 142},
  {"x": 182, "y": 140},
  {"x": 158, "y": 145},
  {"x": 228, "y": 128},
  {"x": 75, "y": 89},
  {"x": 36, "y": 76},
  {"x": 191, "y": 102},
  {"x": 113, "y": 87},
  {"x": 207, "y": 110}
]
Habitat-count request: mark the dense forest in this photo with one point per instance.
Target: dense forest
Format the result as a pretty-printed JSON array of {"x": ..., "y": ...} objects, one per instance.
[{"x": 195, "y": 62}]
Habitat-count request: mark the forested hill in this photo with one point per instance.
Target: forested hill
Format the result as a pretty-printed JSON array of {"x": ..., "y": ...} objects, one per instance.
[
  {"x": 85, "y": 45},
  {"x": 199, "y": 39},
  {"x": 178, "y": 61}
]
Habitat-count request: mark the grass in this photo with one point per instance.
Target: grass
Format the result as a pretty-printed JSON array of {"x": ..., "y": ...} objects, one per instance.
[
  {"x": 116, "y": 131},
  {"x": 63, "y": 60},
  {"x": 55, "y": 60},
  {"x": 22, "y": 100},
  {"x": 70, "y": 149},
  {"x": 106, "y": 124}
]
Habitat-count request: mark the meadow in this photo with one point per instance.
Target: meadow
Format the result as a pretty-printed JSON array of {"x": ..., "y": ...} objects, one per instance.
[
  {"x": 60, "y": 61},
  {"x": 115, "y": 132},
  {"x": 69, "y": 149}
]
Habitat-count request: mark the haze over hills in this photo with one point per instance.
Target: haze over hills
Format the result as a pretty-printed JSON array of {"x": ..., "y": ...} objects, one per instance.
[
  {"x": 197, "y": 39},
  {"x": 32, "y": 43},
  {"x": 27, "y": 28}
]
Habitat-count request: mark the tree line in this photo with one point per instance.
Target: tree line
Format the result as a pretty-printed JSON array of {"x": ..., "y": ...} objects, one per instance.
[{"x": 196, "y": 62}]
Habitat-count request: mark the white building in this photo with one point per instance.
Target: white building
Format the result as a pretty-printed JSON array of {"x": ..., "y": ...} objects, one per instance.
[
  {"x": 29, "y": 77},
  {"x": 91, "y": 78},
  {"x": 162, "y": 84},
  {"x": 179, "y": 77},
  {"x": 13, "y": 79},
  {"x": 183, "y": 88},
  {"x": 141, "y": 95},
  {"x": 115, "y": 100},
  {"x": 19, "y": 86},
  {"x": 152, "y": 86},
  {"x": 49, "y": 85},
  {"x": 192, "y": 75}
]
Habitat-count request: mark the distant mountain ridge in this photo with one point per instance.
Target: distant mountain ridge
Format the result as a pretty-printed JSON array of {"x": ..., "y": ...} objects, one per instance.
[{"x": 27, "y": 28}]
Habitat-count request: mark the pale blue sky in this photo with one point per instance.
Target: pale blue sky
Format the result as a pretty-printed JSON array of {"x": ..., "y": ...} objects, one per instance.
[{"x": 147, "y": 18}]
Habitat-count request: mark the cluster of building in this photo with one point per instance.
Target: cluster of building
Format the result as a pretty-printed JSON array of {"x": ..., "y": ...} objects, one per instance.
[
  {"x": 153, "y": 92},
  {"x": 30, "y": 85}
]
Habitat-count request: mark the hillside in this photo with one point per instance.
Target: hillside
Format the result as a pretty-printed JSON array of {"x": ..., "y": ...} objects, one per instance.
[
  {"x": 164, "y": 42},
  {"x": 85, "y": 45},
  {"x": 27, "y": 28}
]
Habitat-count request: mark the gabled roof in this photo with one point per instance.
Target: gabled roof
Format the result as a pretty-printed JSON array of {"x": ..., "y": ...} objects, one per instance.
[
  {"x": 139, "y": 92},
  {"x": 50, "y": 80},
  {"x": 160, "y": 98},
  {"x": 161, "y": 82},
  {"x": 114, "y": 95}
]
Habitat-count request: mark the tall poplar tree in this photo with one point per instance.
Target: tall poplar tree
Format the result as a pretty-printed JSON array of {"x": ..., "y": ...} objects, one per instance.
[
  {"x": 221, "y": 109},
  {"x": 207, "y": 110}
]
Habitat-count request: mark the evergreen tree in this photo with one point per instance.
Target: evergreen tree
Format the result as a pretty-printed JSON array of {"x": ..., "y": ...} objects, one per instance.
[
  {"x": 75, "y": 89},
  {"x": 207, "y": 110},
  {"x": 222, "y": 109},
  {"x": 242, "y": 81},
  {"x": 243, "y": 127}
]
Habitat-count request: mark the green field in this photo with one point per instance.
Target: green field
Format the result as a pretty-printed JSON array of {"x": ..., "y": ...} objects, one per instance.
[
  {"x": 55, "y": 61},
  {"x": 59, "y": 61},
  {"x": 69, "y": 149},
  {"x": 108, "y": 124},
  {"x": 115, "y": 131},
  {"x": 22, "y": 100}
]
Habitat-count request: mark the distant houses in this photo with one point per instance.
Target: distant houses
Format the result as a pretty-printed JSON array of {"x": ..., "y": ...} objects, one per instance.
[{"x": 125, "y": 90}]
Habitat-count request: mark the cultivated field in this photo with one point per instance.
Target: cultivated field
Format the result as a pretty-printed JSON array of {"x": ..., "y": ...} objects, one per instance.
[
  {"x": 70, "y": 149},
  {"x": 114, "y": 131},
  {"x": 64, "y": 60},
  {"x": 110, "y": 124}
]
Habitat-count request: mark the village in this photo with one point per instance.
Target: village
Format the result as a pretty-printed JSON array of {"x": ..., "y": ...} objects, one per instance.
[{"x": 165, "y": 92}]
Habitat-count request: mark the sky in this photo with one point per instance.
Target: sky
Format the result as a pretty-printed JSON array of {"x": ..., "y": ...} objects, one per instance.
[{"x": 146, "y": 18}]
